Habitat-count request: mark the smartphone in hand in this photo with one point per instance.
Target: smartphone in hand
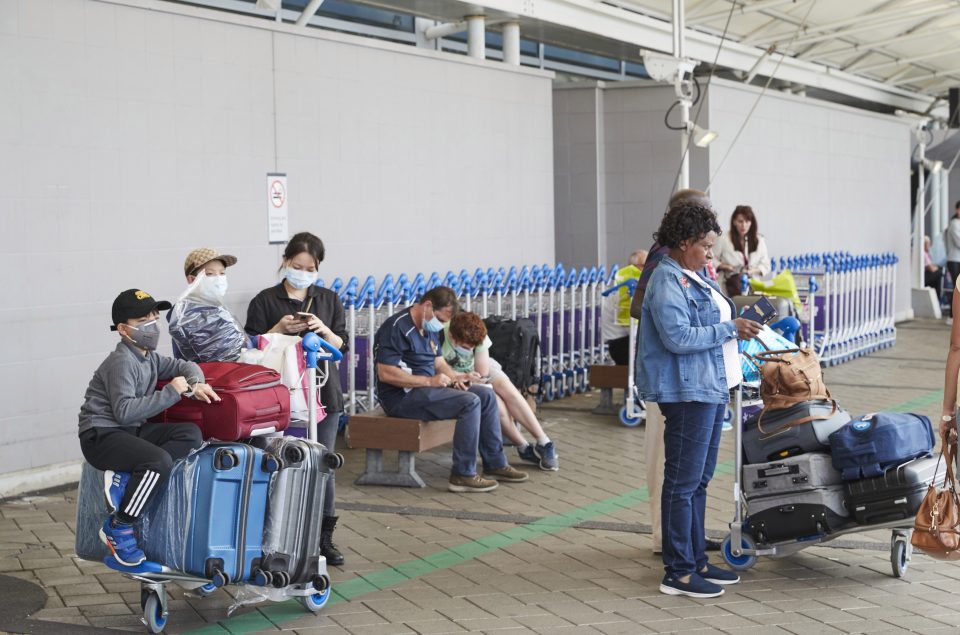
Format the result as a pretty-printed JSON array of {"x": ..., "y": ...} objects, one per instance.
[
  {"x": 761, "y": 311},
  {"x": 304, "y": 317}
]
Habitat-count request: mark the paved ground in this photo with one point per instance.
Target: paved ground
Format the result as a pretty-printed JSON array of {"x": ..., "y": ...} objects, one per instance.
[{"x": 567, "y": 552}]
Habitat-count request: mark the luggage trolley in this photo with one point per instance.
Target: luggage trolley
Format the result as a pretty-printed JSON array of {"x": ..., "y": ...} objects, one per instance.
[
  {"x": 153, "y": 577},
  {"x": 740, "y": 549}
]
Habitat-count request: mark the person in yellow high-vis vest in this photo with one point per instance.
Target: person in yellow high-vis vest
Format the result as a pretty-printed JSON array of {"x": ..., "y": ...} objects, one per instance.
[{"x": 616, "y": 313}]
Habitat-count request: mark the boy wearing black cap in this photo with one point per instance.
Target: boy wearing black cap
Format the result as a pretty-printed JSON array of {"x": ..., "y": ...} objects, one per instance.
[{"x": 136, "y": 456}]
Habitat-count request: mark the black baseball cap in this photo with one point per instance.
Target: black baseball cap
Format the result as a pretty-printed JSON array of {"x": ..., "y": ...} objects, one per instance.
[{"x": 134, "y": 303}]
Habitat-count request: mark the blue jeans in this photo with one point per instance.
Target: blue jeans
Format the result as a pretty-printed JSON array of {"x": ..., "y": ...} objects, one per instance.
[
  {"x": 478, "y": 422},
  {"x": 691, "y": 438}
]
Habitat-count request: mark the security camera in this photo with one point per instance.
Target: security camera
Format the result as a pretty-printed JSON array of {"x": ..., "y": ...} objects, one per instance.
[{"x": 667, "y": 68}]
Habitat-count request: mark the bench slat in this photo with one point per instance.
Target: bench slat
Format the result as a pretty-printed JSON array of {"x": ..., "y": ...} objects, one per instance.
[
  {"x": 607, "y": 376},
  {"x": 394, "y": 433}
]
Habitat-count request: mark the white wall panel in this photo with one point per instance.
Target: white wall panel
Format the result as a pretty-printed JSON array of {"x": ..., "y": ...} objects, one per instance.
[{"x": 129, "y": 136}]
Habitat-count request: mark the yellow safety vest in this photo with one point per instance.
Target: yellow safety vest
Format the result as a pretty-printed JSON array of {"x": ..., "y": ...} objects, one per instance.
[{"x": 624, "y": 298}]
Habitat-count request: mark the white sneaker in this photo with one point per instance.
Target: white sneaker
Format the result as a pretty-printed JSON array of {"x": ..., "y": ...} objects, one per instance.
[{"x": 949, "y": 321}]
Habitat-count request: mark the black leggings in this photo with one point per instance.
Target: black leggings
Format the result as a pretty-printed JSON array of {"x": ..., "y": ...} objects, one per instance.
[{"x": 147, "y": 453}]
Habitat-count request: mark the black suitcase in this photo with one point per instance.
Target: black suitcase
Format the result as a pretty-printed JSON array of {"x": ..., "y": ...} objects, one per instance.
[
  {"x": 778, "y": 440},
  {"x": 291, "y": 534},
  {"x": 806, "y": 514},
  {"x": 897, "y": 494}
]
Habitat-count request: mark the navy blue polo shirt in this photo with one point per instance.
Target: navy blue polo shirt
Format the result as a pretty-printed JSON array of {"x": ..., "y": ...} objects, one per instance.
[{"x": 400, "y": 343}]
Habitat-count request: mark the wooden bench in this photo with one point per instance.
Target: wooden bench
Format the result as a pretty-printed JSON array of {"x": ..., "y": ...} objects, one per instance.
[
  {"x": 375, "y": 432},
  {"x": 607, "y": 377}
]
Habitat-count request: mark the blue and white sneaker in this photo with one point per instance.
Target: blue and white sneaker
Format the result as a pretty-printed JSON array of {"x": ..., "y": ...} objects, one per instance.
[
  {"x": 114, "y": 486},
  {"x": 528, "y": 454},
  {"x": 718, "y": 575},
  {"x": 548, "y": 457},
  {"x": 697, "y": 587},
  {"x": 122, "y": 542}
]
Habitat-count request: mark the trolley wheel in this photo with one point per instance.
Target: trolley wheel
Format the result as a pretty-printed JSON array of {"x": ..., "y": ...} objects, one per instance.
[
  {"x": 292, "y": 454},
  {"x": 334, "y": 460},
  {"x": 219, "y": 579},
  {"x": 262, "y": 578},
  {"x": 206, "y": 589},
  {"x": 315, "y": 602},
  {"x": 153, "y": 616},
  {"x": 743, "y": 561},
  {"x": 548, "y": 391},
  {"x": 584, "y": 384},
  {"x": 271, "y": 463},
  {"x": 280, "y": 579},
  {"x": 900, "y": 551},
  {"x": 225, "y": 459},
  {"x": 627, "y": 420}
]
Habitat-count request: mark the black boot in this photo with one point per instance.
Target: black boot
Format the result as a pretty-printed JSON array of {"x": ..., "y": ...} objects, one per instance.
[{"x": 327, "y": 549}]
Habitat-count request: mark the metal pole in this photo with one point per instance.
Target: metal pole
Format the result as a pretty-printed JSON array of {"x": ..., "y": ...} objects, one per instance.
[
  {"x": 918, "y": 214},
  {"x": 678, "y": 52}
]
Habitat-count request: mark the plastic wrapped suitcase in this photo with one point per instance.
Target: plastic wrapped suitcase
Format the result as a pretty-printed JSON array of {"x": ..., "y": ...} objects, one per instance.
[
  {"x": 789, "y": 476},
  {"x": 895, "y": 495},
  {"x": 773, "y": 438},
  {"x": 814, "y": 512},
  {"x": 208, "y": 521},
  {"x": 291, "y": 538},
  {"x": 253, "y": 402}
]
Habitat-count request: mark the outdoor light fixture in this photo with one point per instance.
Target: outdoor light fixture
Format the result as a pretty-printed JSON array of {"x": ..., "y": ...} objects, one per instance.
[{"x": 701, "y": 136}]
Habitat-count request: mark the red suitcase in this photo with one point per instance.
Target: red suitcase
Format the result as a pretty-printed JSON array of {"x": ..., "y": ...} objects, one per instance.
[{"x": 252, "y": 402}]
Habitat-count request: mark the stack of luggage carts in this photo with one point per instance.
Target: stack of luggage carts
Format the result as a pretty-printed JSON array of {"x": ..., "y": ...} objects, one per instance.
[
  {"x": 809, "y": 472},
  {"x": 243, "y": 510}
]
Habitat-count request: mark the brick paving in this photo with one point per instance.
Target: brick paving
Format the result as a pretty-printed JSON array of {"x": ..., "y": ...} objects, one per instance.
[{"x": 591, "y": 574}]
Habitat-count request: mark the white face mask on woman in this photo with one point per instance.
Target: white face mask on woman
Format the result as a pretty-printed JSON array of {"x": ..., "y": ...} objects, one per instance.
[{"x": 298, "y": 278}]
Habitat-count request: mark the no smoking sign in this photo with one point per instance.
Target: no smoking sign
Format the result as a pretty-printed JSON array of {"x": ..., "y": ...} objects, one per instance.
[{"x": 277, "y": 208}]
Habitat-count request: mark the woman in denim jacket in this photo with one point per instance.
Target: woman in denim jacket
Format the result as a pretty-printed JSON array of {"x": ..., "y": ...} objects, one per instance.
[{"x": 687, "y": 363}]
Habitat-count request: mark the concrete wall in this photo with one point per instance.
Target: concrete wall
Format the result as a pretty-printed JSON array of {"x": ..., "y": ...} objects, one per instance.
[
  {"x": 578, "y": 173},
  {"x": 134, "y": 131},
  {"x": 820, "y": 177},
  {"x": 642, "y": 164}
]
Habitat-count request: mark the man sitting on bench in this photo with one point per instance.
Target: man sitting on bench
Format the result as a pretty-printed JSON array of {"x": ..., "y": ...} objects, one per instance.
[{"x": 414, "y": 382}]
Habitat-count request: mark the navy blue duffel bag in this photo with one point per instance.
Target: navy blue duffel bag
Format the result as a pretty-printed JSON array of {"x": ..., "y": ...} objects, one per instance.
[{"x": 869, "y": 445}]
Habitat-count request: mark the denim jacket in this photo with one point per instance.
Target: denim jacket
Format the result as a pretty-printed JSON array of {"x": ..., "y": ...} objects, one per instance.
[{"x": 680, "y": 356}]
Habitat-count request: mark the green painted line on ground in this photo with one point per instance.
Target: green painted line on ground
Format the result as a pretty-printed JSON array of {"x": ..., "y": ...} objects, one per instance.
[
  {"x": 922, "y": 401},
  {"x": 266, "y": 617},
  {"x": 271, "y": 615}
]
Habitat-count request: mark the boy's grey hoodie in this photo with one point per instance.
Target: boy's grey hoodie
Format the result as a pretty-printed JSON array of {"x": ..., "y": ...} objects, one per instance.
[{"x": 123, "y": 391}]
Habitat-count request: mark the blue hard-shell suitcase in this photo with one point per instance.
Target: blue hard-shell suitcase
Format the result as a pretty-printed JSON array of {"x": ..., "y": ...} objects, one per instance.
[
  {"x": 227, "y": 507},
  {"x": 208, "y": 521}
]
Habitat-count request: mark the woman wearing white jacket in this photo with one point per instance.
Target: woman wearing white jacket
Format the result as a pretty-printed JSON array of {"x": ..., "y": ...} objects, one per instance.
[{"x": 741, "y": 250}]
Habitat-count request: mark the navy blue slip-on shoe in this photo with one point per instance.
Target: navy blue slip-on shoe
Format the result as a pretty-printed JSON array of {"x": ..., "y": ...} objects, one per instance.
[
  {"x": 718, "y": 575},
  {"x": 697, "y": 587}
]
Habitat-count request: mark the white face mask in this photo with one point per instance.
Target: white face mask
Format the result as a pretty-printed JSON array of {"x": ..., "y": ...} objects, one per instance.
[
  {"x": 212, "y": 288},
  {"x": 298, "y": 278},
  {"x": 463, "y": 352}
]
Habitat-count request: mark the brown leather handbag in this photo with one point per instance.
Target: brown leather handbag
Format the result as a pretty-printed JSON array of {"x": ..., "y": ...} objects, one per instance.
[
  {"x": 789, "y": 377},
  {"x": 936, "y": 529}
]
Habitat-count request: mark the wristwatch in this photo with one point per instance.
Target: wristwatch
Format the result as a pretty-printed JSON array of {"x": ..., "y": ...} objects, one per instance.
[{"x": 947, "y": 418}]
